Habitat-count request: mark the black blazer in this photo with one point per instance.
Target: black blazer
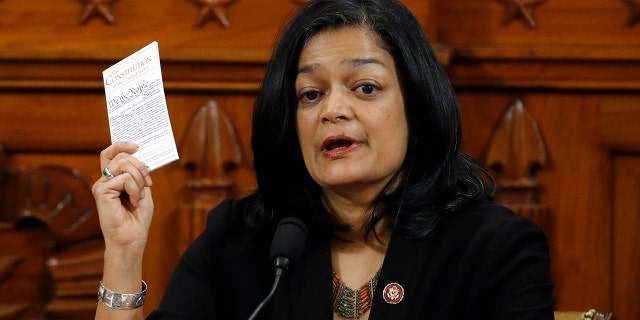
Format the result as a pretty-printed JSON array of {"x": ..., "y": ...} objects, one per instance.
[{"x": 480, "y": 263}]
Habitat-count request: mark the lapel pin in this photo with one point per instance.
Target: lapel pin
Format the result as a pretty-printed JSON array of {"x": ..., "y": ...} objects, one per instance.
[{"x": 393, "y": 293}]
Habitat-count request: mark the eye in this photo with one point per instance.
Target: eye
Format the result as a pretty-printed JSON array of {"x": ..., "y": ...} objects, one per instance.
[
  {"x": 367, "y": 88},
  {"x": 309, "y": 96}
]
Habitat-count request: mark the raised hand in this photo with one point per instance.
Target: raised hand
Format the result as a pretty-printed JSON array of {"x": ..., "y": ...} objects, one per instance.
[{"x": 123, "y": 196}]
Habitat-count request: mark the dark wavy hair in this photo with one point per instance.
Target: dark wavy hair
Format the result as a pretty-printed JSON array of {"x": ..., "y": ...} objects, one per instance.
[{"x": 436, "y": 177}]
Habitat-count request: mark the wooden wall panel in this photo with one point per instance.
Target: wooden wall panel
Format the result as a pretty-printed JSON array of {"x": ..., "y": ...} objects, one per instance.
[
  {"x": 577, "y": 72},
  {"x": 620, "y": 123},
  {"x": 559, "y": 23},
  {"x": 72, "y": 133},
  {"x": 619, "y": 130},
  {"x": 53, "y": 26},
  {"x": 626, "y": 255},
  {"x": 574, "y": 184},
  {"x": 53, "y": 121}
]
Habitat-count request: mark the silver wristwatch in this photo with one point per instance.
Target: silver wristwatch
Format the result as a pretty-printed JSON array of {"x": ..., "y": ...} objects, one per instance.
[{"x": 122, "y": 301}]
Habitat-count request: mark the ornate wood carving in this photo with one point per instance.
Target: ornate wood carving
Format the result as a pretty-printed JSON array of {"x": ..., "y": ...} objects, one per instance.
[
  {"x": 211, "y": 147},
  {"x": 516, "y": 153},
  {"x": 634, "y": 12},
  {"x": 3, "y": 160},
  {"x": 57, "y": 196},
  {"x": 8, "y": 265},
  {"x": 101, "y": 8},
  {"x": 212, "y": 8},
  {"x": 521, "y": 10},
  {"x": 54, "y": 262},
  {"x": 210, "y": 150},
  {"x": 76, "y": 271},
  {"x": 13, "y": 312}
]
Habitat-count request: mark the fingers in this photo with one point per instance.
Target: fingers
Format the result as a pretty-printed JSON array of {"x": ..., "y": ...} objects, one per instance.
[
  {"x": 123, "y": 198},
  {"x": 117, "y": 160},
  {"x": 121, "y": 188},
  {"x": 123, "y": 174},
  {"x": 133, "y": 190},
  {"x": 113, "y": 150},
  {"x": 125, "y": 164}
]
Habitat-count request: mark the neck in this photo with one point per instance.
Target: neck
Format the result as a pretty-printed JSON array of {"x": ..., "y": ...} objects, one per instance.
[
  {"x": 347, "y": 211},
  {"x": 352, "y": 206},
  {"x": 357, "y": 234}
]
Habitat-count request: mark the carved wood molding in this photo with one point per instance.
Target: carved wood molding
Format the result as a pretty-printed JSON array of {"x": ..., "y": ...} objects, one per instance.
[
  {"x": 210, "y": 147},
  {"x": 76, "y": 271},
  {"x": 634, "y": 12},
  {"x": 208, "y": 9},
  {"x": 14, "y": 311},
  {"x": 220, "y": 69},
  {"x": 210, "y": 150},
  {"x": 3, "y": 160},
  {"x": 625, "y": 274},
  {"x": 49, "y": 215},
  {"x": 92, "y": 8},
  {"x": 516, "y": 153},
  {"x": 619, "y": 129},
  {"x": 8, "y": 265},
  {"x": 546, "y": 67},
  {"x": 212, "y": 9},
  {"x": 521, "y": 10},
  {"x": 57, "y": 196}
]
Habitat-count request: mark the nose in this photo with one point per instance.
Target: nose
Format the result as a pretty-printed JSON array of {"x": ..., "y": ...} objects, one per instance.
[{"x": 337, "y": 107}]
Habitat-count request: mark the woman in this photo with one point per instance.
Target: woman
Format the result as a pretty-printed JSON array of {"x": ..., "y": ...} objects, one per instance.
[{"x": 357, "y": 133}]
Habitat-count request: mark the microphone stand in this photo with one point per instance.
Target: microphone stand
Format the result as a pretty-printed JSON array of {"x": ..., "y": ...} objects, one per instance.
[{"x": 281, "y": 265}]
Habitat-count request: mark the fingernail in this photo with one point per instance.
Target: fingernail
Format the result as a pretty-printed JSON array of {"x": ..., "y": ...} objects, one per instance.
[{"x": 148, "y": 180}]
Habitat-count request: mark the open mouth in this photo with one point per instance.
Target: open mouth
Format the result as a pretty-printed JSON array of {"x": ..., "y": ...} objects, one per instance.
[{"x": 337, "y": 144}]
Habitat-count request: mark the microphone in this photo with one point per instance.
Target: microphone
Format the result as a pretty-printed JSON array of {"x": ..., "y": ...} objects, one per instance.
[{"x": 286, "y": 249}]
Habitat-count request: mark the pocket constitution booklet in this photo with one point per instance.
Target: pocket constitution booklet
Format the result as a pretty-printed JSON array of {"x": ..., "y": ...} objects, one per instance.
[{"x": 137, "y": 107}]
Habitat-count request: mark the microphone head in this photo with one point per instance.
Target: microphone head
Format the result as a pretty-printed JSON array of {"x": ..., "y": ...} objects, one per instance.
[{"x": 288, "y": 242}]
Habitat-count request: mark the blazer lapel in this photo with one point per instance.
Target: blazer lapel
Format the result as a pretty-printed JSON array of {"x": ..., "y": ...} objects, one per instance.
[
  {"x": 311, "y": 284},
  {"x": 403, "y": 265},
  {"x": 415, "y": 262}
]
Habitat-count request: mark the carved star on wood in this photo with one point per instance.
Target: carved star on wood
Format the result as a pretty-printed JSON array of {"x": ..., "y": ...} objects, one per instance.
[
  {"x": 93, "y": 8},
  {"x": 520, "y": 9},
  {"x": 212, "y": 8},
  {"x": 634, "y": 14}
]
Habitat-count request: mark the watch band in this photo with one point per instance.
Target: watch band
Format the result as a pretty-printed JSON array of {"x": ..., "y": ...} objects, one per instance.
[{"x": 122, "y": 301}]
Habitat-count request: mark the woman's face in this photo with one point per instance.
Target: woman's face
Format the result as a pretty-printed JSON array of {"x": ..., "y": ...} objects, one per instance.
[{"x": 350, "y": 118}]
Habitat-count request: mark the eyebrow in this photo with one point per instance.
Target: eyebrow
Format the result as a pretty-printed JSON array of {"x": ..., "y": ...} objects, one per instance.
[
  {"x": 362, "y": 62},
  {"x": 309, "y": 68},
  {"x": 353, "y": 62}
]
